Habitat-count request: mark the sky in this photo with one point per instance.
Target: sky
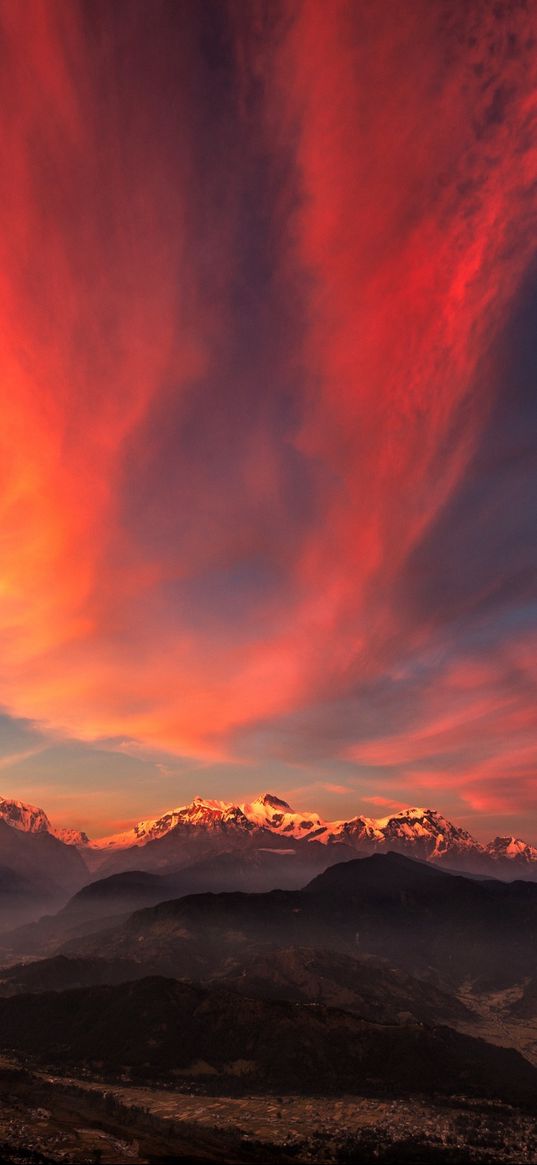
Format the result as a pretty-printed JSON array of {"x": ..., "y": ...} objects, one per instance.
[{"x": 269, "y": 407}]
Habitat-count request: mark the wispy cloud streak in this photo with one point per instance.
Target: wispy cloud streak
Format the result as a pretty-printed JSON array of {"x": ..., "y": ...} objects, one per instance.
[{"x": 259, "y": 269}]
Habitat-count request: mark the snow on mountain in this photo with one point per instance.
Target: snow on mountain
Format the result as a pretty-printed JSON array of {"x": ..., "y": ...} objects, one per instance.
[
  {"x": 358, "y": 831},
  {"x": 31, "y": 819},
  {"x": 512, "y": 848},
  {"x": 27, "y": 818},
  {"x": 71, "y": 836},
  {"x": 425, "y": 828},
  {"x": 270, "y": 812},
  {"x": 420, "y": 832},
  {"x": 265, "y": 812},
  {"x": 206, "y": 813}
]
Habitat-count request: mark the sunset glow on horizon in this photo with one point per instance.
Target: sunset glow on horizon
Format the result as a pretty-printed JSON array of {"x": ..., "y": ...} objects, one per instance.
[{"x": 269, "y": 419}]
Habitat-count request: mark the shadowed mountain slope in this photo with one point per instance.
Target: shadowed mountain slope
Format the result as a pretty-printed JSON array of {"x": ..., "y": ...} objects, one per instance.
[
  {"x": 118, "y": 895},
  {"x": 37, "y": 871},
  {"x": 62, "y": 974},
  {"x": 364, "y": 986},
  {"x": 157, "y": 1026},
  {"x": 417, "y": 917}
]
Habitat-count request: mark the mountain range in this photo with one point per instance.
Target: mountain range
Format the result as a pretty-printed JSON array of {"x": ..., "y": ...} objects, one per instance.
[
  {"x": 364, "y": 974},
  {"x": 31, "y": 819},
  {"x": 160, "y": 1026},
  {"x": 205, "y": 826},
  {"x": 381, "y": 977},
  {"x": 206, "y": 846},
  {"x": 387, "y": 906}
]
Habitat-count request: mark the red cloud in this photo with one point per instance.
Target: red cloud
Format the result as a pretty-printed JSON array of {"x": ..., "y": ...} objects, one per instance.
[
  {"x": 414, "y": 228},
  {"x": 398, "y": 236}
]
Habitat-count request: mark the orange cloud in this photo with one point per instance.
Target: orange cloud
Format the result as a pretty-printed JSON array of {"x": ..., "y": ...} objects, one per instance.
[
  {"x": 414, "y": 229},
  {"x": 246, "y": 351}
]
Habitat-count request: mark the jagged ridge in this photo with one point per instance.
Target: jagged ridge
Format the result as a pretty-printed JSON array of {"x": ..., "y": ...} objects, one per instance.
[{"x": 422, "y": 832}]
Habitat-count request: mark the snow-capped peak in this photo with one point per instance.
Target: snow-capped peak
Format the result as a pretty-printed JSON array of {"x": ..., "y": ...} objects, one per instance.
[
  {"x": 512, "y": 848},
  {"x": 276, "y": 802},
  {"x": 201, "y": 811},
  {"x": 430, "y": 816},
  {"x": 267, "y": 811},
  {"x": 432, "y": 832},
  {"x": 31, "y": 819},
  {"x": 26, "y": 818},
  {"x": 418, "y": 831},
  {"x": 71, "y": 836},
  {"x": 270, "y": 812}
]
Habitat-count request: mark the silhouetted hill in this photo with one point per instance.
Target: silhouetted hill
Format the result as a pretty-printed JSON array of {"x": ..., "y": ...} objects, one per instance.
[
  {"x": 102, "y": 902},
  {"x": 131, "y": 883},
  {"x": 61, "y": 974},
  {"x": 20, "y": 897},
  {"x": 415, "y": 916},
  {"x": 102, "y": 899},
  {"x": 46, "y": 935},
  {"x": 37, "y": 871},
  {"x": 259, "y": 870},
  {"x": 40, "y": 856},
  {"x": 367, "y": 987},
  {"x": 157, "y": 1026},
  {"x": 390, "y": 872}
]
